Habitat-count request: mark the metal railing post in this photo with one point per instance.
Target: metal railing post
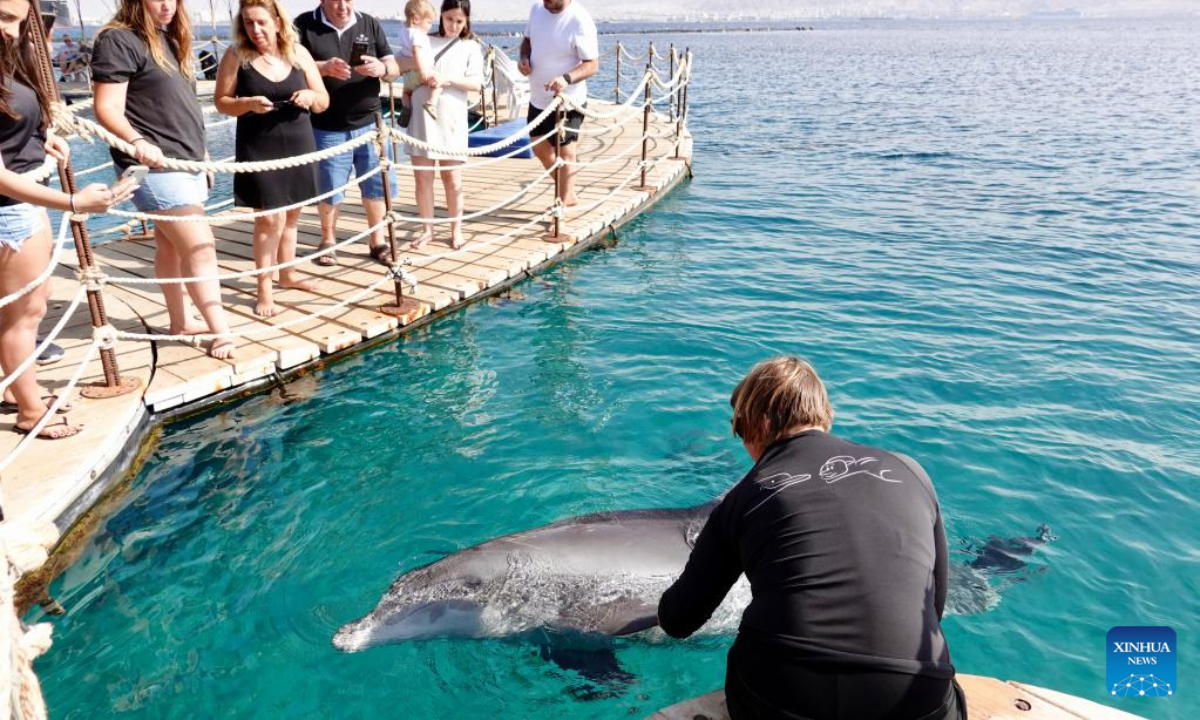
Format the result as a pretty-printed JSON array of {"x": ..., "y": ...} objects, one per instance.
[
  {"x": 617, "y": 90},
  {"x": 113, "y": 384},
  {"x": 495, "y": 86},
  {"x": 646, "y": 117},
  {"x": 670, "y": 75},
  {"x": 403, "y": 305},
  {"x": 558, "y": 131}
]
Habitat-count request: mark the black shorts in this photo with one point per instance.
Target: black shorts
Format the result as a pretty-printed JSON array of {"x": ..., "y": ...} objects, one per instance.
[{"x": 572, "y": 121}]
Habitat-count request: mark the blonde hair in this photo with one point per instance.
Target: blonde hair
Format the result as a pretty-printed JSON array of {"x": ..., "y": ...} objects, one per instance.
[
  {"x": 415, "y": 10},
  {"x": 134, "y": 16},
  {"x": 777, "y": 398},
  {"x": 285, "y": 37}
]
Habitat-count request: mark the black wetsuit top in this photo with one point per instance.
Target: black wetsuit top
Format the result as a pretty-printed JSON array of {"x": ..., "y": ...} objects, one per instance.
[{"x": 846, "y": 556}]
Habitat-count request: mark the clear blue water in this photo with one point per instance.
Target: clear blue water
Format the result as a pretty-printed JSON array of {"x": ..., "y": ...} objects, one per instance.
[{"x": 984, "y": 235}]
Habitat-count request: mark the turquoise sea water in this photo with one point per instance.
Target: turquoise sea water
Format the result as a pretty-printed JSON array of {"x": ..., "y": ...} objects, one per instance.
[{"x": 985, "y": 237}]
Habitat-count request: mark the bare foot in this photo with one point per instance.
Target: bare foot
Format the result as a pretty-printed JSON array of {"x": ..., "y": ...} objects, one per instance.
[
  {"x": 290, "y": 282},
  {"x": 421, "y": 239},
  {"x": 222, "y": 348},
  {"x": 189, "y": 329},
  {"x": 571, "y": 200},
  {"x": 457, "y": 241},
  {"x": 52, "y": 431},
  {"x": 265, "y": 308}
]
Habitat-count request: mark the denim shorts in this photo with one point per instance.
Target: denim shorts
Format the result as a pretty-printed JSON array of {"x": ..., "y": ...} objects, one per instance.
[
  {"x": 168, "y": 190},
  {"x": 334, "y": 172},
  {"x": 18, "y": 223}
]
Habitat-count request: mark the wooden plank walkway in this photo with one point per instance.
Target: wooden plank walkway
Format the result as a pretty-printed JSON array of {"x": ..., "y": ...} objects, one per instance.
[
  {"x": 54, "y": 476},
  {"x": 987, "y": 699}
]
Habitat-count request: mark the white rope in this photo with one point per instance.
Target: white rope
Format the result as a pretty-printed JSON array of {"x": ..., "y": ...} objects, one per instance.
[
  {"x": 83, "y": 125},
  {"x": 50, "y": 337},
  {"x": 91, "y": 170},
  {"x": 633, "y": 147},
  {"x": 243, "y": 273},
  {"x": 467, "y": 166},
  {"x": 573, "y": 104},
  {"x": 43, "y": 172},
  {"x": 45, "y": 275},
  {"x": 226, "y": 219},
  {"x": 61, "y": 397}
]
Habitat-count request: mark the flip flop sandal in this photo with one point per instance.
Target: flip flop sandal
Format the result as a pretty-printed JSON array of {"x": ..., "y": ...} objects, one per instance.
[
  {"x": 12, "y": 407},
  {"x": 328, "y": 259},
  {"x": 382, "y": 254},
  {"x": 70, "y": 430}
]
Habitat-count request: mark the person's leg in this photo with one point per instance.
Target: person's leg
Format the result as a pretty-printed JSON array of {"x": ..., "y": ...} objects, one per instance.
[
  {"x": 366, "y": 159},
  {"x": 566, "y": 176},
  {"x": 267, "y": 231},
  {"x": 333, "y": 172},
  {"x": 197, "y": 251},
  {"x": 166, "y": 265},
  {"x": 423, "y": 179},
  {"x": 452, "y": 184},
  {"x": 544, "y": 151},
  {"x": 290, "y": 277},
  {"x": 18, "y": 327}
]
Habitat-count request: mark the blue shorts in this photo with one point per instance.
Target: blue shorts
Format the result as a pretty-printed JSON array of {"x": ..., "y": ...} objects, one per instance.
[
  {"x": 334, "y": 172},
  {"x": 18, "y": 223},
  {"x": 169, "y": 190}
]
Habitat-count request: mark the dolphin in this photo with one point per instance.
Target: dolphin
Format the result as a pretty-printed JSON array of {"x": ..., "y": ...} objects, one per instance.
[
  {"x": 599, "y": 574},
  {"x": 594, "y": 574}
]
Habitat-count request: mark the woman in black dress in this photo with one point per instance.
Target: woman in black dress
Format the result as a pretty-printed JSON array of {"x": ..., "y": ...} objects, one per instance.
[{"x": 269, "y": 82}]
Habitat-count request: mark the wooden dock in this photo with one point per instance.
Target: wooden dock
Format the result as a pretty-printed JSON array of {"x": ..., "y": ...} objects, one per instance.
[
  {"x": 56, "y": 481},
  {"x": 987, "y": 699}
]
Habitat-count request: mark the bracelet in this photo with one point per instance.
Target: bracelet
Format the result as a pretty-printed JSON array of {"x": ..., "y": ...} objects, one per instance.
[
  {"x": 72, "y": 203},
  {"x": 136, "y": 140},
  {"x": 567, "y": 76}
]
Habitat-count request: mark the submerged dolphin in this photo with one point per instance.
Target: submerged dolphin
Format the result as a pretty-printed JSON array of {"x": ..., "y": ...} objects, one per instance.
[{"x": 598, "y": 574}]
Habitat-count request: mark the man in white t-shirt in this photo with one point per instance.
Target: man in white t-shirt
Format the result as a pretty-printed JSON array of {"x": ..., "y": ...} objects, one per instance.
[{"x": 559, "y": 53}]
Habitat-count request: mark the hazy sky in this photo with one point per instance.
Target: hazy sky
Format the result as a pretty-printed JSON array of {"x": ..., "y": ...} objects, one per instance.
[{"x": 618, "y": 9}]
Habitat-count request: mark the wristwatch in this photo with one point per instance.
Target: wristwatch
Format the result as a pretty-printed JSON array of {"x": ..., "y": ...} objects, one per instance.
[{"x": 567, "y": 76}]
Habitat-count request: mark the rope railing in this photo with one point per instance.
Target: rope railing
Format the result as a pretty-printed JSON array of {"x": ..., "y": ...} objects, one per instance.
[{"x": 93, "y": 278}]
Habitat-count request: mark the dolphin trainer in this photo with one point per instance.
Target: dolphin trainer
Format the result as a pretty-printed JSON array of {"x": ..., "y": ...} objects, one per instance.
[{"x": 595, "y": 574}]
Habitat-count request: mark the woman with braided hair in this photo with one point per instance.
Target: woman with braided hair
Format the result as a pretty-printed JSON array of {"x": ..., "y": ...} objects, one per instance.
[{"x": 25, "y": 241}]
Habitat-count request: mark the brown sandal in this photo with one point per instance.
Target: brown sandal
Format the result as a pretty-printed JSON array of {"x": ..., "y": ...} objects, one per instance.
[
  {"x": 12, "y": 407},
  {"x": 382, "y": 254},
  {"x": 328, "y": 259},
  {"x": 52, "y": 431}
]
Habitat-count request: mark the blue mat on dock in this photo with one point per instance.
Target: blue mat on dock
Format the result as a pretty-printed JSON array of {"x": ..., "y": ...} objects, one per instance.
[{"x": 487, "y": 136}]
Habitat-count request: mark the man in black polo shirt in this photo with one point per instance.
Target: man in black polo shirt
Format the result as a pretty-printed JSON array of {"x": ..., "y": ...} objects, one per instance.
[{"x": 330, "y": 33}]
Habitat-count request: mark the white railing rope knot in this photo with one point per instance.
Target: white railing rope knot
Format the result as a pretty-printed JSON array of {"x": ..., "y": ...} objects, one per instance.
[
  {"x": 93, "y": 278},
  {"x": 397, "y": 273},
  {"x": 105, "y": 337}
]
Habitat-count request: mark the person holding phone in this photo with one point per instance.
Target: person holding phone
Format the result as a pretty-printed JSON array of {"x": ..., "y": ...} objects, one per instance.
[
  {"x": 270, "y": 83},
  {"x": 146, "y": 95},
  {"x": 25, "y": 234},
  {"x": 352, "y": 55}
]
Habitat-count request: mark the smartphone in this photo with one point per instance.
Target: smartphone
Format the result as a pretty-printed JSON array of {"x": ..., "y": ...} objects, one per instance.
[
  {"x": 281, "y": 104},
  {"x": 357, "y": 50},
  {"x": 136, "y": 172}
]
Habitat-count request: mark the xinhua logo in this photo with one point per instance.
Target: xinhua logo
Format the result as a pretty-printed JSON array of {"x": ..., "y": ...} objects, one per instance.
[{"x": 1141, "y": 662}]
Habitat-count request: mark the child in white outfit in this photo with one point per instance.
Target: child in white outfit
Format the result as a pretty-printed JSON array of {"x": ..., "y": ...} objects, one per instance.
[{"x": 414, "y": 43}]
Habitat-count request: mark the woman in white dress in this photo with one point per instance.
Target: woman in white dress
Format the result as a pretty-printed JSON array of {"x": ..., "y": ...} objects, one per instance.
[{"x": 458, "y": 71}]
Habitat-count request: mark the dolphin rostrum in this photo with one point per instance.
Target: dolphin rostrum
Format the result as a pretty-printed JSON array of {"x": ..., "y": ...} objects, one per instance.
[{"x": 599, "y": 574}]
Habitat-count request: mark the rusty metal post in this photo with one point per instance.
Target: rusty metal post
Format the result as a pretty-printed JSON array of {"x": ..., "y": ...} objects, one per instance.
[
  {"x": 495, "y": 86},
  {"x": 556, "y": 235},
  {"x": 670, "y": 75},
  {"x": 646, "y": 117},
  {"x": 113, "y": 384},
  {"x": 617, "y": 90},
  {"x": 483, "y": 106},
  {"x": 403, "y": 306}
]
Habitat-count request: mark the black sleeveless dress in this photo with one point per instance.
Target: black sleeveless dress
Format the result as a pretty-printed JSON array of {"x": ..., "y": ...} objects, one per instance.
[{"x": 278, "y": 134}]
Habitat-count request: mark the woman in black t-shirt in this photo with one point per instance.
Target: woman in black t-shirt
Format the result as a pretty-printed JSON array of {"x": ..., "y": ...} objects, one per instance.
[
  {"x": 25, "y": 242},
  {"x": 146, "y": 95}
]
